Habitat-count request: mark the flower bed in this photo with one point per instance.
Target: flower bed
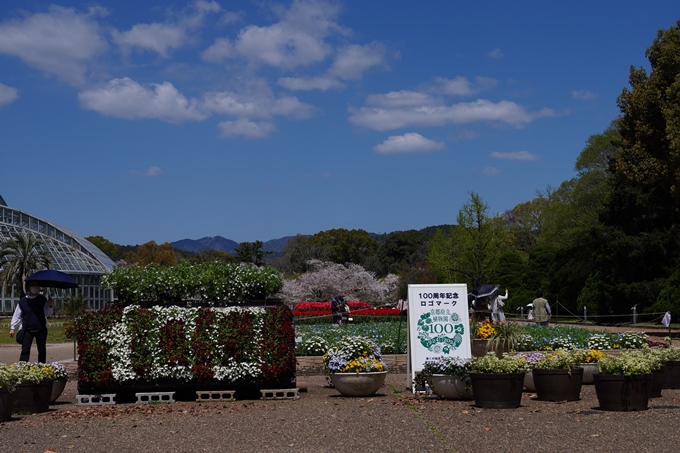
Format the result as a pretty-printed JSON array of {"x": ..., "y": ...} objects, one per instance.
[
  {"x": 357, "y": 308},
  {"x": 199, "y": 346}
]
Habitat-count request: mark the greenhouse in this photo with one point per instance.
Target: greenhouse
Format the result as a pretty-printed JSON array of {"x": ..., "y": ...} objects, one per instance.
[{"x": 71, "y": 254}]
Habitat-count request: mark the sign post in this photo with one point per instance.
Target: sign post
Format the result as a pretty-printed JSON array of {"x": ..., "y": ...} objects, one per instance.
[{"x": 439, "y": 324}]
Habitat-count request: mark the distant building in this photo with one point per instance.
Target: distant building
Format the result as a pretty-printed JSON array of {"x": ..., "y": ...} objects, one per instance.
[{"x": 72, "y": 255}]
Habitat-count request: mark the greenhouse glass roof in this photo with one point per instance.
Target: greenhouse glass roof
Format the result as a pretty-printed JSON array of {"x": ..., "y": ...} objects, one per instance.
[{"x": 72, "y": 254}]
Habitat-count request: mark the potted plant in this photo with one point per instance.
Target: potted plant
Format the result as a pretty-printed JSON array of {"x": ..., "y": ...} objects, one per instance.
[
  {"x": 35, "y": 390},
  {"x": 481, "y": 335},
  {"x": 657, "y": 355},
  {"x": 498, "y": 383},
  {"x": 671, "y": 361},
  {"x": 10, "y": 377},
  {"x": 531, "y": 358},
  {"x": 504, "y": 338},
  {"x": 60, "y": 377},
  {"x": 589, "y": 359},
  {"x": 557, "y": 376},
  {"x": 623, "y": 381},
  {"x": 449, "y": 377},
  {"x": 355, "y": 366}
]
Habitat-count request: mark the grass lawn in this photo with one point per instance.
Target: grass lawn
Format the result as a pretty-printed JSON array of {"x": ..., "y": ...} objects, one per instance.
[{"x": 55, "y": 333}]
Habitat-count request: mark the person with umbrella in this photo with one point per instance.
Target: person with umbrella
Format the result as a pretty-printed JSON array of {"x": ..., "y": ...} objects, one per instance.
[
  {"x": 497, "y": 314},
  {"x": 31, "y": 312}
]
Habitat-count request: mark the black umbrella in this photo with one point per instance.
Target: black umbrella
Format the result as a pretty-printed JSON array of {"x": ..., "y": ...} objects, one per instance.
[
  {"x": 51, "y": 278},
  {"x": 483, "y": 290}
]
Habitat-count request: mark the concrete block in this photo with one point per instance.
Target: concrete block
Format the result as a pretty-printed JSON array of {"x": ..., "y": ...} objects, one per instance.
[
  {"x": 219, "y": 396},
  {"x": 280, "y": 394},
  {"x": 156, "y": 397},
  {"x": 95, "y": 400}
]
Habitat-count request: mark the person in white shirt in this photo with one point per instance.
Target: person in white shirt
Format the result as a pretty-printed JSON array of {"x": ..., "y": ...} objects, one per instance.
[
  {"x": 32, "y": 311},
  {"x": 497, "y": 314}
]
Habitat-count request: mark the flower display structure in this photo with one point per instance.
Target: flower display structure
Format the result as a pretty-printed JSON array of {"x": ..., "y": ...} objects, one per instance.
[
  {"x": 207, "y": 346},
  {"x": 354, "y": 355},
  {"x": 215, "y": 283}
]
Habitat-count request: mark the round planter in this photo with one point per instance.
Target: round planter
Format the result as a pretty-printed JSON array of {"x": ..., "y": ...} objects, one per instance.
[
  {"x": 358, "y": 384},
  {"x": 497, "y": 391},
  {"x": 671, "y": 379},
  {"x": 622, "y": 393},
  {"x": 481, "y": 347},
  {"x": 33, "y": 398},
  {"x": 529, "y": 381},
  {"x": 6, "y": 404},
  {"x": 558, "y": 385},
  {"x": 656, "y": 382},
  {"x": 58, "y": 386},
  {"x": 450, "y": 387},
  {"x": 589, "y": 369}
]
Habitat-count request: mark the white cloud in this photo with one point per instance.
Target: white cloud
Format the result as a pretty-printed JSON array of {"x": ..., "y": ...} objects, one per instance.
[
  {"x": 489, "y": 171},
  {"x": 156, "y": 37},
  {"x": 402, "y": 99},
  {"x": 260, "y": 105},
  {"x": 517, "y": 155},
  {"x": 219, "y": 51},
  {"x": 60, "y": 42},
  {"x": 408, "y": 143},
  {"x": 460, "y": 86},
  {"x": 504, "y": 112},
  {"x": 125, "y": 98},
  {"x": 584, "y": 95},
  {"x": 150, "y": 172},
  {"x": 8, "y": 94},
  {"x": 307, "y": 84},
  {"x": 352, "y": 61},
  {"x": 298, "y": 39},
  {"x": 246, "y": 128},
  {"x": 496, "y": 54}
]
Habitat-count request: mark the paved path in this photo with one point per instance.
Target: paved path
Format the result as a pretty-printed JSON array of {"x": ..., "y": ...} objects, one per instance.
[{"x": 58, "y": 352}]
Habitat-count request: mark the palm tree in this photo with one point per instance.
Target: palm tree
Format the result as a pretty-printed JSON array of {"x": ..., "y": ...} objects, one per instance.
[{"x": 21, "y": 256}]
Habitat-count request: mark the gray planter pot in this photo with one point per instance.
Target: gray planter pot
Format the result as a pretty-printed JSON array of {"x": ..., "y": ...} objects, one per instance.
[
  {"x": 450, "y": 387},
  {"x": 358, "y": 384}
]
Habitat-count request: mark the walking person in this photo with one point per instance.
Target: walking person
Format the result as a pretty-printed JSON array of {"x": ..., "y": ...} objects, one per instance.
[
  {"x": 338, "y": 308},
  {"x": 31, "y": 312},
  {"x": 541, "y": 308},
  {"x": 497, "y": 314}
]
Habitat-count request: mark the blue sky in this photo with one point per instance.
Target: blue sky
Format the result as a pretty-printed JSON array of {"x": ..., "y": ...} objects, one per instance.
[{"x": 253, "y": 120}]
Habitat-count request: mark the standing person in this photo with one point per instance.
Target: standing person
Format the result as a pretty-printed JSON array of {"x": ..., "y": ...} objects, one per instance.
[
  {"x": 402, "y": 306},
  {"x": 32, "y": 311},
  {"x": 497, "y": 314},
  {"x": 541, "y": 308},
  {"x": 337, "y": 308}
]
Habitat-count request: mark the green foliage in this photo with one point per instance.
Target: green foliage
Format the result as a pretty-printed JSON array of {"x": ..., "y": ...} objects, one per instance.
[
  {"x": 591, "y": 295},
  {"x": 151, "y": 253},
  {"x": 20, "y": 256},
  {"x": 628, "y": 363},
  {"x": 251, "y": 252},
  {"x": 559, "y": 360},
  {"x": 345, "y": 246},
  {"x": 109, "y": 248},
  {"x": 215, "y": 282},
  {"x": 471, "y": 251},
  {"x": 490, "y": 363}
]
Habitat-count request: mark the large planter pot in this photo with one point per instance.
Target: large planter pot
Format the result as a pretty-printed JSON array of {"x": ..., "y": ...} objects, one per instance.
[
  {"x": 671, "y": 379},
  {"x": 6, "y": 404},
  {"x": 481, "y": 347},
  {"x": 497, "y": 391},
  {"x": 358, "y": 384},
  {"x": 58, "y": 386},
  {"x": 33, "y": 398},
  {"x": 622, "y": 393},
  {"x": 589, "y": 370},
  {"x": 558, "y": 385},
  {"x": 656, "y": 382},
  {"x": 450, "y": 387}
]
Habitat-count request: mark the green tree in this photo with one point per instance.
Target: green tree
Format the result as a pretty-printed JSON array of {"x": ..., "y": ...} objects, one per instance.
[
  {"x": 109, "y": 248},
  {"x": 471, "y": 251},
  {"x": 152, "y": 253},
  {"x": 251, "y": 252},
  {"x": 20, "y": 256},
  {"x": 345, "y": 246}
]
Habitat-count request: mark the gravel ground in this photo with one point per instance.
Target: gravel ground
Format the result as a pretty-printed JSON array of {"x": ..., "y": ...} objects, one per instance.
[{"x": 323, "y": 421}]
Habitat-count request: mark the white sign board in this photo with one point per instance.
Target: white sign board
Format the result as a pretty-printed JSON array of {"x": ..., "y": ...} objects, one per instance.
[{"x": 438, "y": 323}]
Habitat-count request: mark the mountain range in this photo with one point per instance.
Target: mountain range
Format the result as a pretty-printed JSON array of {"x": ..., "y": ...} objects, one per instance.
[{"x": 225, "y": 245}]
